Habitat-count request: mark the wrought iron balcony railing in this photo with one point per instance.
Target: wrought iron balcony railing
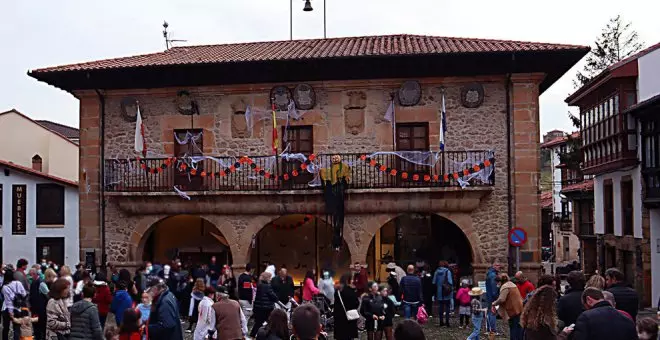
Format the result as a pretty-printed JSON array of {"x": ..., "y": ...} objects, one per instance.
[{"x": 384, "y": 170}]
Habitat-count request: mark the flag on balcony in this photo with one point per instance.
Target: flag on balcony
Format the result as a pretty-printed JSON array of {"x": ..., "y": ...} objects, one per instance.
[
  {"x": 443, "y": 124},
  {"x": 140, "y": 144},
  {"x": 390, "y": 116},
  {"x": 274, "y": 130}
]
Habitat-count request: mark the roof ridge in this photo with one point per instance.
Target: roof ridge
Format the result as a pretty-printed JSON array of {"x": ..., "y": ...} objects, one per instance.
[
  {"x": 281, "y": 50},
  {"x": 402, "y": 35},
  {"x": 56, "y": 123}
]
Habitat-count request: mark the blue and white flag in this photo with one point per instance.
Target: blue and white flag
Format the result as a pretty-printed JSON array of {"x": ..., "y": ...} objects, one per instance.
[{"x": 443, "y": 124}]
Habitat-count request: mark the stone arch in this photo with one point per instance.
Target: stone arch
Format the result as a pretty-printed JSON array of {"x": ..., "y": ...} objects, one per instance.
[
  {"x": 146, "y": 225},
  {"x": 461, "y": 220},
  {"x": 327, "y": 257}
]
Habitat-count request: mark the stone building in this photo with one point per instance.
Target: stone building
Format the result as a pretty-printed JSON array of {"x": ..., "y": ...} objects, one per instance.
[{"x": 201, "y": 101}]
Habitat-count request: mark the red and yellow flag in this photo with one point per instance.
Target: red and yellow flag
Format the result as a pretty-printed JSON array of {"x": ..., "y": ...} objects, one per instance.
[{"x": 274, "y": 130}]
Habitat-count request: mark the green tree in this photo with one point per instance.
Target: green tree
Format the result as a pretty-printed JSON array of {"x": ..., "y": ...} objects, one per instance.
[
  {"x": 572, "y": 158},
  {"x": 617, "y": 41}
]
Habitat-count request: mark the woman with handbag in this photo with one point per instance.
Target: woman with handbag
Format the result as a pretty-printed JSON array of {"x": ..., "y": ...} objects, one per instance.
[
  {"x": 346, "y": 310},
  {"x": 58, "y": 324}
]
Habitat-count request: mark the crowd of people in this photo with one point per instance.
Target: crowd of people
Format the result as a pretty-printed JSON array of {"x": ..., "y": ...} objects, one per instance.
[{"x": 45, "y": 301}]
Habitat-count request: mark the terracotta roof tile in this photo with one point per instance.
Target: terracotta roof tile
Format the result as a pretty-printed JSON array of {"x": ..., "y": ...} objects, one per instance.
[
  {"x": 392, "y": 45},
  {"x": 31, "y": 171},
  {"x": 587, "y": 185},
  {"x": 66, "y": 131},
  {"x": 546, "y": 199},
  {"x": 559, "y": 140}
]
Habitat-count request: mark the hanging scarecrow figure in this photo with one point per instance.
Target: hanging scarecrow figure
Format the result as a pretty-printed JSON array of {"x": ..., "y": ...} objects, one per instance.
[{"x": 335, "y": 182}]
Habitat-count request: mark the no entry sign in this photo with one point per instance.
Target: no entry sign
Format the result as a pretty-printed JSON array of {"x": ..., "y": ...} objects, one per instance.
[{"x": 517, "y": 237}]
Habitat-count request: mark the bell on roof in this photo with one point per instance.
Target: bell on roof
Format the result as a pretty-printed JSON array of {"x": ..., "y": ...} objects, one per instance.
[{"x": 308, "y": 6}]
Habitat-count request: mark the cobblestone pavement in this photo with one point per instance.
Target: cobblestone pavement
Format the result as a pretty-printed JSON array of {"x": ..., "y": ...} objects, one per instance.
[{"x": 434, "y": 332}]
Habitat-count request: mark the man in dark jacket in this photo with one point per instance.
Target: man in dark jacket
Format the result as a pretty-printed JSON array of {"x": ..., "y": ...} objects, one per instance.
[
  {"x": 601, "y": 321},
  {"x": 264, "y": 302},
  {"x": 492, "y": 293},
  {"x": 411, "y": 288},
  {"x": 570, "y": 305},
  {"x": 283, "y": 287},
  {"x": 164, "y": 321},
  {"x": 626, "y": 298},
  {"x": 38, "y": 302},
  {"x": 85, "y": 324}
]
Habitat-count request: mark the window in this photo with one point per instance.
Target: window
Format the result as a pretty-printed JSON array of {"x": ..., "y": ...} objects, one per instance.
[
  {"x": 651, "y": 157},
  {"x": 301, "y": 140},
  {"x": 627, "y": 206},
  {"x": 50, "y": 205},
  {"x": 608, "y": 203},
  {"x": 565, "y": 213},
  {"x": 586, "y": 217},
  {"x": 194, "y": 146},
  {"x": 412, "y": 137},
  {"x": 51, "y": 249}
]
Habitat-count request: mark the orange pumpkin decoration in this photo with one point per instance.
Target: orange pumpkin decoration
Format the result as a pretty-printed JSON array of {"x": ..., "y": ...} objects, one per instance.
[{"x": 404, "y": 175}]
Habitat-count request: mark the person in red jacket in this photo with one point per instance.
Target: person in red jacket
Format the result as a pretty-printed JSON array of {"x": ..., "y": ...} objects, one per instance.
[
  {"x": 102, "y": 297},
  {"x": 524, "y": 286},
  {"x": 360, "y": 278}
]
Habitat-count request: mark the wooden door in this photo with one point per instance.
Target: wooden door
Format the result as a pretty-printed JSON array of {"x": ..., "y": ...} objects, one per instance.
[
  {"x": 301, "y": 140},
  {"x": 412, "y": 137},
  {"x": 181, "y": 179}
]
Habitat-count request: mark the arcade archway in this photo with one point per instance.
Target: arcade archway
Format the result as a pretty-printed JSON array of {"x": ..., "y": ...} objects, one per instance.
[
  {"x": 191, "y": 238},
  {"x": 300, "y": 243},
  {"x": 416, "y": 238}
]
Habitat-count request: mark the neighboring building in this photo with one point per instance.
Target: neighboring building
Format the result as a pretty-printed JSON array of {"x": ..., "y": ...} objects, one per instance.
[
  {"x": 71, "y": 133},
  {"x": 565, "y": 243},
  {"x": 611, "y": 138},
  {"x": 546, "y": 226},
  {"x": 194, "y": 102},
  {"x": 581, "y": 197},
  {"x": 28, "y": 143},
  {"x": 38, "y": 191}
]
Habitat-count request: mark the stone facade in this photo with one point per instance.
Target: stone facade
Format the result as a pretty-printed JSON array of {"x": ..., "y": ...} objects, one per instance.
[{"x": 339, "y": 125}]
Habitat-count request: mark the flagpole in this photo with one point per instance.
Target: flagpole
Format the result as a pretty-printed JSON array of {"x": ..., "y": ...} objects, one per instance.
[{"x": 393, "y": 123}]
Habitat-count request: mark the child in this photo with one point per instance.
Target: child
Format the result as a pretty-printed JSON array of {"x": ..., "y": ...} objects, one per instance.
[
  {"x": 145, "y": 308},
  {"x": 477, "y": 312},
  {"x": 463, "y": 298},
  {"x": 130, "y": 326},
  {"x": 23, "y": 318},
  {"x": 111, "y": 333}
]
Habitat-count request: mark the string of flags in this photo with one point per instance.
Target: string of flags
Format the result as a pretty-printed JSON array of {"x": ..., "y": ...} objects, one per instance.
[{"x": 246, "y": 162}]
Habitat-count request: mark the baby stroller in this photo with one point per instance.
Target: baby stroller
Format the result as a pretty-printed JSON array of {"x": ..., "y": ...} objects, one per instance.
[{"x": 323, "y": 304}]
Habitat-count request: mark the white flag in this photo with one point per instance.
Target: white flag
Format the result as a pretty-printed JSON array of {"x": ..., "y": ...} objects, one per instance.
[
  {"x": 389, "y": 114},
  {"x": 140, "y": 144}
]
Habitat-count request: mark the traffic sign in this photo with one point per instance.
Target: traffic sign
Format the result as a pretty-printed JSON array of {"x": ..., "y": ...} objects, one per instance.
[{"x": 517, "y": 237}]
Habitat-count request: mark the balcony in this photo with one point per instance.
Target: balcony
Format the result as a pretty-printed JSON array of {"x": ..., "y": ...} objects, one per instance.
[
  {"x": 564, "y": 221},
  {"x": 274, "y": 173}
]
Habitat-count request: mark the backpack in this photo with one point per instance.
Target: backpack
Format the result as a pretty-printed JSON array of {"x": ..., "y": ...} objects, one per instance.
[
  {"x": 446, "y": 287},
  {"x": 20, "y": 301}
]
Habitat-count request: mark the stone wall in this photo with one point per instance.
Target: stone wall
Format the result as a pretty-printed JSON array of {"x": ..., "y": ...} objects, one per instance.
[{"x": 337, "y": 128}]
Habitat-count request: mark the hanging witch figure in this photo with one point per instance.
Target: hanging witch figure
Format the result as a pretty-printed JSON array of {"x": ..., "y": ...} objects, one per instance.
[{"x": 335, "y": 182}]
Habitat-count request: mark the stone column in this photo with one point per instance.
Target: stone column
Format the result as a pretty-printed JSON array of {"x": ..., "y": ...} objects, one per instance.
[
  {"x": 525, "y": 167},
  {"x": 90, "y": 156}
]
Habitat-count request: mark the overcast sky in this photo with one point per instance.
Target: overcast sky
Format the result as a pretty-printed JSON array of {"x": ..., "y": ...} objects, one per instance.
[{"x": 43, "y": 33}]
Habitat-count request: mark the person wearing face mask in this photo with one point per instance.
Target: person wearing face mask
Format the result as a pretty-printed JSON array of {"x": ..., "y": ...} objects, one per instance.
[{"x": 327, "y": 287}]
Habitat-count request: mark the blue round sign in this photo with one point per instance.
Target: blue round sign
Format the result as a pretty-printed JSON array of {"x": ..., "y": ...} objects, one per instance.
[{"x": 517, "y": 237}]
